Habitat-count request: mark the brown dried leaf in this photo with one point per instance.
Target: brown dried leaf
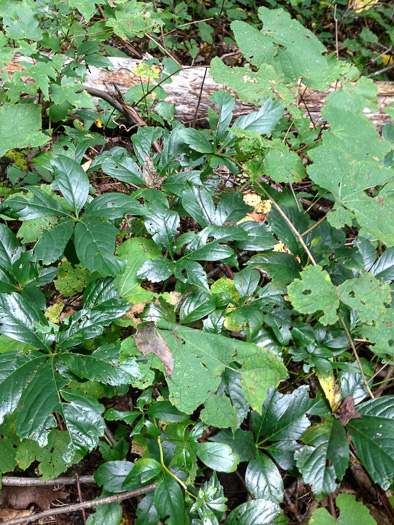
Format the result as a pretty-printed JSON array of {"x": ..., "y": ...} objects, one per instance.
[
  {"x": 22, "y": 497},
  {"x": 10, "y": 514},
  {"x": 152, "y": 178},
  {"x": 149, "y": 341},
  {"x": 346, "y": 411}
]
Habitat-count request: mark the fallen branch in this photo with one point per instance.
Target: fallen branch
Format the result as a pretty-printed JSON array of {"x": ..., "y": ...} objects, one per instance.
[
  {"x": 184, "y": 91},
  {"x": 85, "y": 505},
  {"x": 10, "y": 481}
]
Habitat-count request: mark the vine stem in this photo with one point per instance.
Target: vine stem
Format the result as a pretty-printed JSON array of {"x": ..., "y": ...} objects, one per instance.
[
  {"x": 85, "y": 505},
  {"x": 291, "y": 225},
  {"x": 299, "y": 237}
]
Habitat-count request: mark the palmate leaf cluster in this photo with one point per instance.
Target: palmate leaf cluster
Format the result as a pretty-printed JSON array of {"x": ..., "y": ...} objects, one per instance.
[{"x": 149, "y": 310}]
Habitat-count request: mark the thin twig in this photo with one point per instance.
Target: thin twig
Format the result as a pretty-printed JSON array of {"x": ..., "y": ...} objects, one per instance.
[
  {"x": 163, "y": 49},
  {"x": 295, "y": 197},
  {"x": 314, "y": 226},
  {"x": 85, "y": 505},
  {"x": 199, "y": 99},
  {"x": 381, "y": 71},
  {"x": 11, "y": 481},
  {"x": 291, "y": 225},
  {"x": 336, "y": 32},
  {"x": 79, "y": 492},
  {"x": 188, "y": 24},
  {"x": 355, "y": 355}
]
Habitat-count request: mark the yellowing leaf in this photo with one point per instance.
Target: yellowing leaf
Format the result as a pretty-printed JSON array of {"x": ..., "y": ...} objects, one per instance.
[
  {"x": 362, "y": 5},
  {"x": 387, "y": 60},
  {"x": 331, "y": 389},
  {"x": 261, "y": 208},
  {"x": 53, "y": 312},
  {"x": 98, "y": 123}
]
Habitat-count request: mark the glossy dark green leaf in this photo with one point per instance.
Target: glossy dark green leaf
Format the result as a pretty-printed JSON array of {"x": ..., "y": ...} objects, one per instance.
[
  {"x": 212, "y": 251},
  {"x": 114, "y": 206},
  {"x": 158, "y": 270},
  {"x": 22, "y": 321},
  {"x": 246, "y": 281},
  {"x": 95, "y": 246},
  {"x": 191, "y": 272},
  {"x": 283, "y": 231},
  {"x": 85, "y": 425},
  {"x": 241, "y": 442},
  {"x": 123, "y": 169},
  {"x": 111, "y": 475},
  {"x": 144, "y": 470},
  {"x": 163, "y": 225},
  {"x": 263, "y": 479},
  {"x": 324, "y": 441},
  {"x": 110, "y": 514},
  {"x": 166, "y": 411},
  {"x": 39, "y": 399},
  {"x": 71, "y": 180},
  {"x": 264, "y": 120},
  {"x": 146, "y": 511},
  {"x": 15, "y": 370},
  {"x": 232, "y": 380},
  {"x": 98, "y": 292},
  {"x": 282, "y": 267},
  {"x": 217, "y": 456},
  {"x": 103, "y": 365},
  {"x": 373, "y": 438},
  {"x": 168, "y": 500},
  {"x": 198, "y": 202},
  {"x": 258, "y": 512},
  {"x": 196, "y": 139},
  {"x": 8, "y": 244},
  {"x": 39, "y": 205},
  {"x": 196, "y": 306},
  {"x": 260, "y": 237},
  {"x": 52, "y": 244},
  {"x": 226, "y": 103},
  {"x": 231, "y": 208},
  {"x": 383, "y": 269}
]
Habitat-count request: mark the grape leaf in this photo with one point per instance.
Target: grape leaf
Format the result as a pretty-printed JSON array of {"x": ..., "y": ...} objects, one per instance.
[{"x": 351, "y": 513}]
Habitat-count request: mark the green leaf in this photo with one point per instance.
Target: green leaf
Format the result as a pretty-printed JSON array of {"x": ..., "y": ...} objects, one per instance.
[
  {"x": 95, "y": 246},
  {"x": 166, "y": 411},
  {"x": 315, "y": 292},
  {"x": 16, "y": 368},
  {"x": 260, "y": 237},
  {"x": 49, "y": 457},
  {"x": 196, "y": 306},
  {"x": 381, "y": 334},
  {"x": 198, "y": 202},
  {"x": 264, "y": 120},
  {"x": 82, "y": 415},
  {"x": 123, "y": 169},
  {"x": 383, "y": 269},
  {"x": 325, "y": 441},
  {"x": 200, "y": 358},
  {"x": 21, "y": 321},
  {"x": 39, "y": 399},
  {"x": 258, "y": 512},
  {"x": 246, "y": 282},
  {"x": 217, "y": 456},
  {"x": 191, "y": 272},
  {"x": 366, "y": 295},
  {"x": 219, "y": 412},
  {"x": 144, "y": 470},
  {"x": 146, "y": 511},
  {"x": 283, "y": 165},
  {"x": 372, "y": 438},
  {"x": 135, "y": 252},
  {"x": 226, "y": 103},
  {"x": 22, "y": 23},
  {"x": 168, "y": 500},
  {"x": 351, "y": 513},
  {"x": 8, "y": 245},
  {"x": 114, "y": 206},
  {"x": 264, "y": 480},
  {"x": 87, "y": 9},
  {"x": 156, "y": 271},
  {"x": 40, "y": 205},
  {"x": 196, "y": 139},
  {"x": 103, "y": 365},
  {"x": 111, "y": 475},
  {"x": 71, "y": 180},
  {"x": 283, "y": 268},
  {"x": 52, "y": 244},
  {"x": 241, "y": 442},
  {"x": 163, "y": 224},
  {"x": 110, "y": 514}
]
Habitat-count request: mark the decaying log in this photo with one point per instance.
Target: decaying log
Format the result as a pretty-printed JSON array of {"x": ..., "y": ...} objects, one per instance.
[{"x": 184, "y": 91}]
